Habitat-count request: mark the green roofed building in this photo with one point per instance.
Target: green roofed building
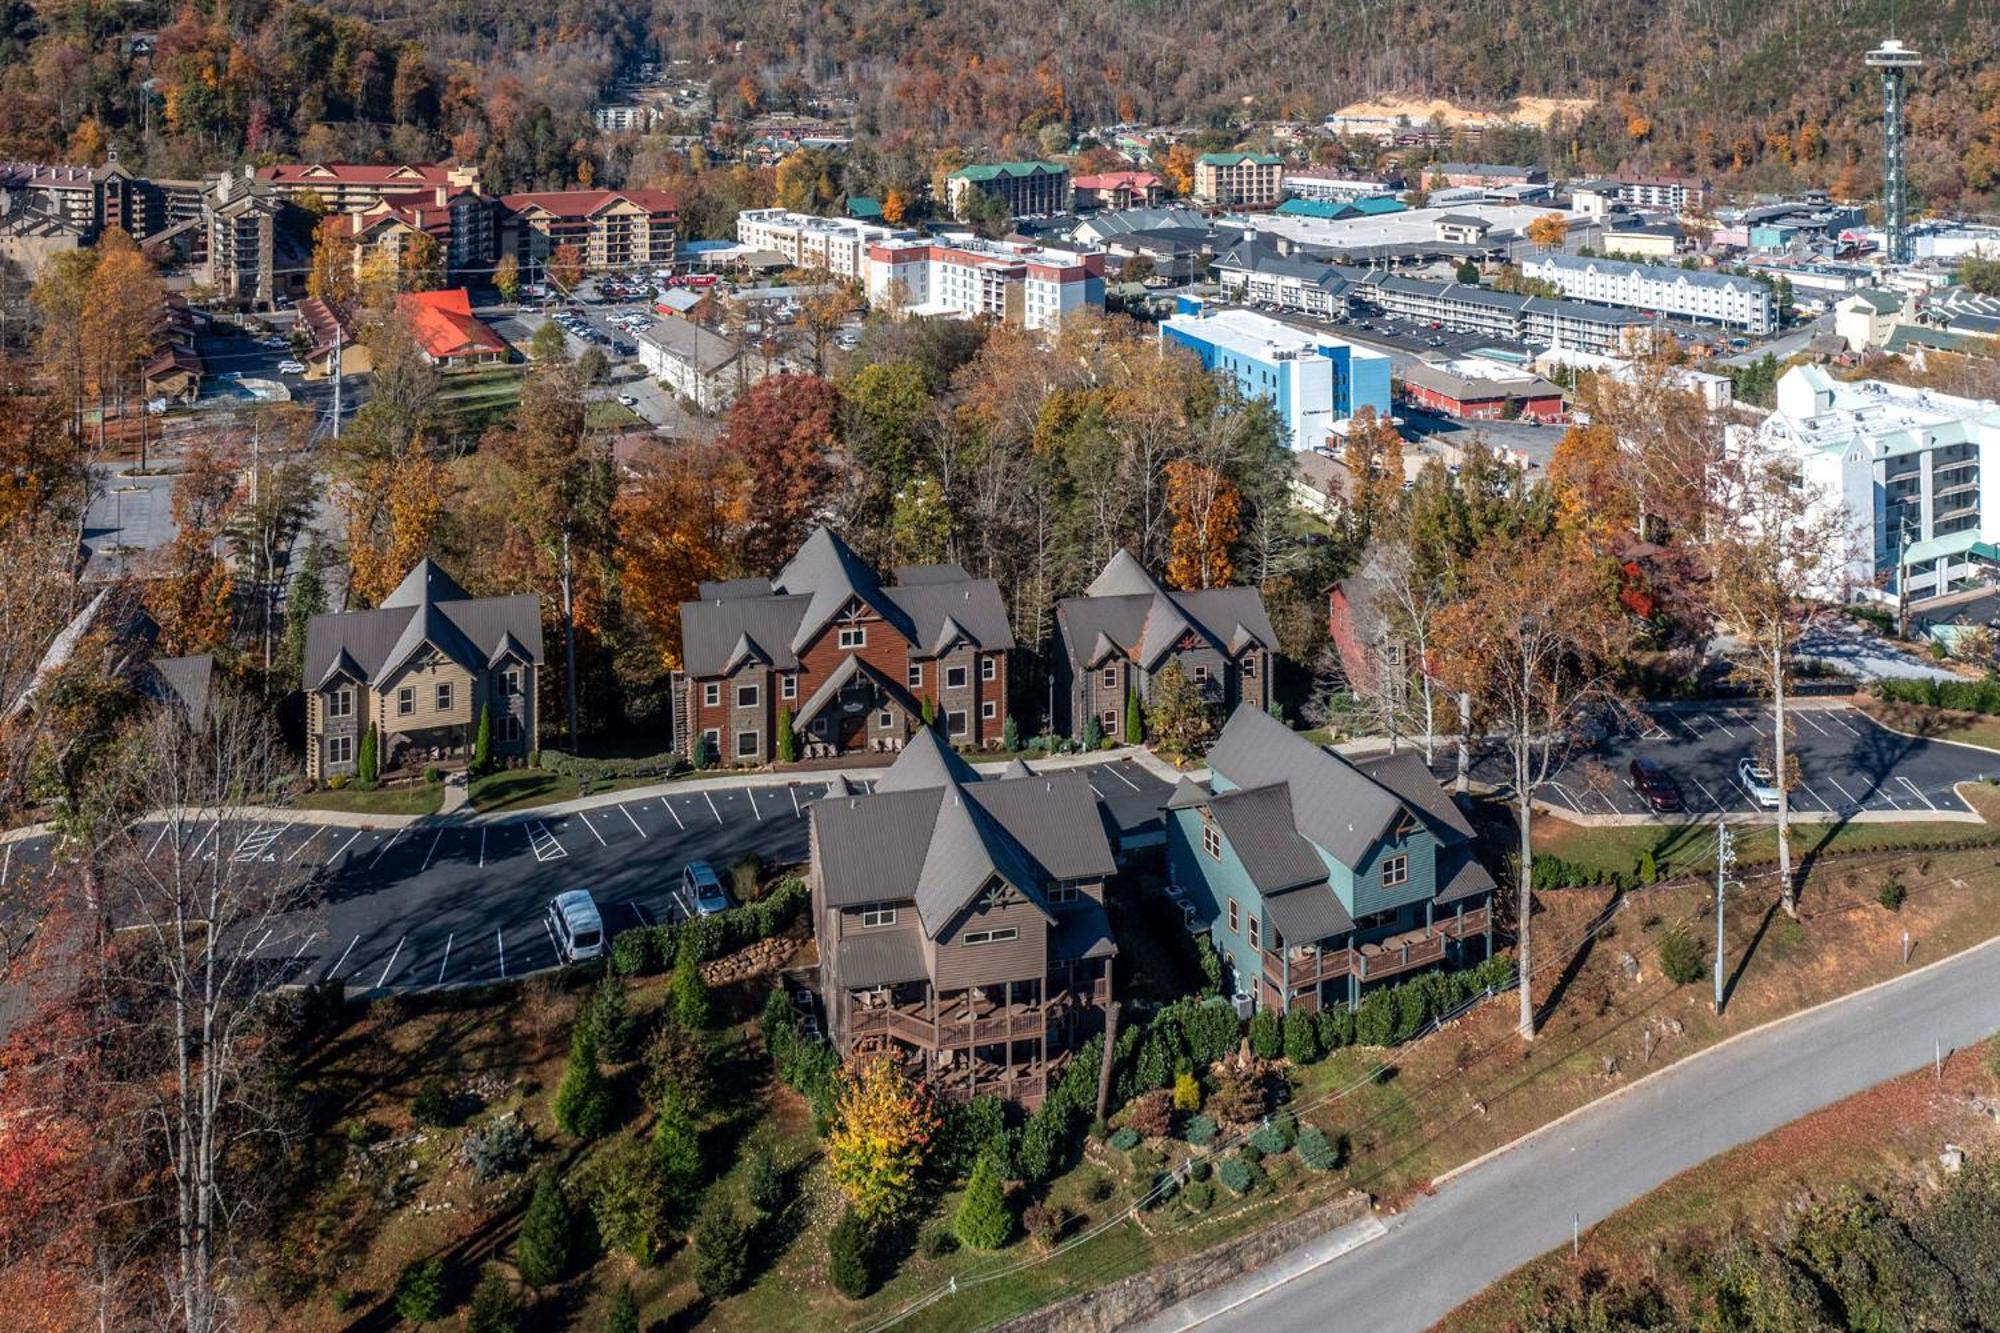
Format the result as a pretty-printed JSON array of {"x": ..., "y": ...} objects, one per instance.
[
  {"x": 1239, "y": 180},
  {"x": 1024, "y": 188}
]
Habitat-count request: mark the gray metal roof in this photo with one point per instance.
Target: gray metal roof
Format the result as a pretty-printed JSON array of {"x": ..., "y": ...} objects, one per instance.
[
  {"x": 1126, "y": 607},
  {"x": 1082, "y": 930},
  {"x": 1655, "y": 272},
  {"x": 1460, "y": 875},
  {"x": 1305, "y": 915},
  {"x": 926, "y": 762},
  {"x": 1335, "y": 804},
  {"x": 1405, "y": 774},
  {"x": 427, "y": 607},
  {"x": 1054, "y": 819},
  {"x": 1263, "y": 832},
  {"x": 885, "y": 958},
  {"x": 871, "y": 847},
  {"x": 185, "y": 681}
]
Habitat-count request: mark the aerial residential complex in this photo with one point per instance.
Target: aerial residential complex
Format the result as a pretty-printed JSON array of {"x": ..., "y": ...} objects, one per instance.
[
  {"x": 1023, "y": 188},
  {"x": 612, "y": 228},
  {"x": 1908, "y": 467},
  {"x": 961, "y": 274},
  {"x": 1239, "y": 180},
  {"x": 837, "y": 245},
  {"x": 1314, "y": 380},
  {"x": 1715, "y": 298}
]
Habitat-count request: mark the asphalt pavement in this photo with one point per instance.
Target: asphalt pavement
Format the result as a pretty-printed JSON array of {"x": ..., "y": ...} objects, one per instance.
[{"x": 1509, "y": 1208}]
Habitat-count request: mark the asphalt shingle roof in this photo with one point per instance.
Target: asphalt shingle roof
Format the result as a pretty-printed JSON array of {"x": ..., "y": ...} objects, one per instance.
[
  {"x": 1125, "y": 607},
  {"x": 428, "y": 606},
  {"x": 1334, "y": 804},
  {"x": 1263, "y": 832}
]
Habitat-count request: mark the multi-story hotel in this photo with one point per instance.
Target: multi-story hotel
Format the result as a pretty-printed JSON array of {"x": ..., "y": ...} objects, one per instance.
[
  {"x": 614, "y": 229},
  {"x": 1239, "y": 180},
  {"x": 837, "y": 245},
  {"x": 1029, "y": 285},
  {"x": 1024, "y": 189},
  {"x": 1713, "y": 298}
]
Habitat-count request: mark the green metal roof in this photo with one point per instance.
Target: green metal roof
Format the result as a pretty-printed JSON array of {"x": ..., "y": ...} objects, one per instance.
[
  {"x": 863, "y": 206},
  {"x": 1238, "y": 159},
  {"x": 994, "y": 170},
  {"x": 1377, "y": 204},
  {"x": 1958, "y": 543}
]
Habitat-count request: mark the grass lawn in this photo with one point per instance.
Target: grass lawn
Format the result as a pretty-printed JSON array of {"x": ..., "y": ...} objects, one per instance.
[
  {"x": 608, "y": 414},
  {"x": 423, "y": 799},
  {"x": 1876, "y": 1141},
  {"x": 1941, "y": 724},
  {"x": 522, "y": 788}
]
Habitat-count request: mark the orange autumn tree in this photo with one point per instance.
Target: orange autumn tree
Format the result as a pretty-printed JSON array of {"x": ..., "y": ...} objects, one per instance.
[
  {"x": 676, "y": 522},
  {"x": 885, "y": 1123},
  {"x": 189, "y": 594},
  {"x": 1205, "y": 507},
  {"x": 393, "y": 521}
]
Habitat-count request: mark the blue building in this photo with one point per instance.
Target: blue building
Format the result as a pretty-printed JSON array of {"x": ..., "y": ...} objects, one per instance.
[
  {"x": 1319, "y": 876},
  {"x": 1313, "y": 380}
]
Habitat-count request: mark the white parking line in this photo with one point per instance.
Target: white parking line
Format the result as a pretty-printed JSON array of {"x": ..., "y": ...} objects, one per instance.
[
  {"x": 164, "y": 826},
  {"x": 383, "y": 980},
  {"x": 447, "y": 960},
  {"x": 1720, "y": 725},
  {"x": 711, "y": 807},
  {"x": 500, "y": 942},
  {"x": 334, "y": 971},
  {"x": 545, "y": 845},
  {"x": 1093, "y": 789},
  {"x": 633, "y": 822},
  {"x": 751, "y": 792},
  {"x": 308, "y": 841},
  {"x": 1567, "y": 798},
  {"x": 384, "y": 851},
  {"x": 432, "y": 852},
  {"x": 1720, "y": 808},
  {"x": 343, "y": 847},
  {"x": 640, "y": 912},
  {"x": 1750, "y": 721},
  {"x": 1121, "y": 777},
  {"x": 554, "y": 948},
  {"x": 593, "y": 829},
  {"x": 797, "y": 813},
  {"x": 1815, "y": 795},
  {"x": 6, "y": 864},
  {"x": 213, "y": 829},
  {"x": 1834, "y": 716},
  {"x": 482, "y": 846},
  {"x": 1802, "y": 716},
  {"x": 1843, "y": 791},
  {"x": 1887, "y": 795},
  {"x": 1915, "y": 790},
  {"x": 668, "y": 806}
]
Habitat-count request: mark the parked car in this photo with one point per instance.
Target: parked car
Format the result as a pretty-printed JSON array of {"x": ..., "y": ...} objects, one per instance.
[
  {"x": 1759, "y": 782},
  {"x": 627, "y": 400},
  {"x": 702, "y": 891},
  {"x": 291, "y": 367},
  {"x": 1656, "y": 787},
  {"x": 576, "y": 925}
]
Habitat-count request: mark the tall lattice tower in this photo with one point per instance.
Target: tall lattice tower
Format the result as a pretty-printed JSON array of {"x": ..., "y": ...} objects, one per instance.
[{"x": 1894, "y": 59}]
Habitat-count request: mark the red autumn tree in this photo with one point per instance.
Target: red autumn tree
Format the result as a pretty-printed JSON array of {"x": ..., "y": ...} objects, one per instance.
[{"x": 782, "y": 428}]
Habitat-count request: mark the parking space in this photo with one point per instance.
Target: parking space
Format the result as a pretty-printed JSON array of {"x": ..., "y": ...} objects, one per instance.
[{"x": 1846, "y": 763}]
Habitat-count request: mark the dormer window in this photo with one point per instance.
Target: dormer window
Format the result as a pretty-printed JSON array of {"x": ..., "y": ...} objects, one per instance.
[
  {"x": 853, "y": 636},
  {"x": 340, "y": 702},
  {"x": 1395, "y": 871}
]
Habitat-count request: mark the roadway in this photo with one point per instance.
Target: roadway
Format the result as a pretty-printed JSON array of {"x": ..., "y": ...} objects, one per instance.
[{"x": 1507, "y": 1209}]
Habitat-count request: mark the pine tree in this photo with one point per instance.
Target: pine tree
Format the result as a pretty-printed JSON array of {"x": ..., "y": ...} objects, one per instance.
[
  {"x": 583, "y": 1102},
  {"x": 365, "y": 765},
  {"x": 850, "y": 1248},
  {"x": 495, "y": 1308},
  {"x": 420, "y": 1291},
  {"x": 721, "y": 1251},
  {"x": 788, "y": 742},
  {"x": 482, "y": 740},
  {"x": 623, "y": 1314},
  {"x": 983, "y": 1221},
  {"x": 1010, "y": 733},
  {"x": 692, "y": 1005},
  {"x": 609, "y": 1018},
  {"x": 678, "y": 1148},
  {"x": 541, "y": 1249},
  {"x": 1093, "y": 733},
  {"x": 305, "y": 599},
  {"x": 1135, "y": 721}
]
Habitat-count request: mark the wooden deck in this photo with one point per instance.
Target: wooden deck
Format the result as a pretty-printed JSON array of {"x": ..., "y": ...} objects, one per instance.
[{"x": 1372, "y": 962}]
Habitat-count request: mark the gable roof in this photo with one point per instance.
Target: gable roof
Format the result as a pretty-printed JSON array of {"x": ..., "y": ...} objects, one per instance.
[
  {"x": 1334, "y": 804},
  {"x": 444, "y": 325},
  {"x": 1263, "y": 831},
  {"x": 428, "y": 606},
  {"x": 1126, "y": 607},
  {"x": 784, "y": 615}
]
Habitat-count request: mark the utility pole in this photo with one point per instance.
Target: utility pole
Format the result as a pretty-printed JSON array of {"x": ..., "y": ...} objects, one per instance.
[
  {"x": 1903, "y": 578},
  {"x": 336, "y": 378},
  {"x": 1725, "y": 858},
  {"x": 569, "y": 640}
]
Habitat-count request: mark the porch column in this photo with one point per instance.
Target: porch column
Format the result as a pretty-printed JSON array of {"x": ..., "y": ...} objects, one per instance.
[
  {"x": 1353, "y": 989},
  {"x": 1284, "y": 971}
]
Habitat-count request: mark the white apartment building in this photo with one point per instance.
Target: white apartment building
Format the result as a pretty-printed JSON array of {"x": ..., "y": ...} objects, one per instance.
[
  {"x": 706, "y": 369},
  {"x": 1713, "y": 298},
  {"x": 838, "y": 245},
  {"x": 962, "y": 275},
  {"x": 1917, "y": 473},
  {"x": 1337, "y": 189}
]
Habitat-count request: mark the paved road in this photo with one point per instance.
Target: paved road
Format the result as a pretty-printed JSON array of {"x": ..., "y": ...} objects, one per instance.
[
  {"x": 1520, "y": 1204},
  {"x": 1848, "y": 763}
]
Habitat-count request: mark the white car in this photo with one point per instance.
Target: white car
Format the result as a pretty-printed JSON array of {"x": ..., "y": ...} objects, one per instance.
[
  {"x": 627, "y": 400},
  {"x": 576, "y": 926},
  {"x": 291, "y": 367},
  {"x": 1759, "y": 782}
]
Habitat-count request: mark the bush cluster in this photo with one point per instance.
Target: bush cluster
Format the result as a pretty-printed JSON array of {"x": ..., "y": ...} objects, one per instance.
[
  {"x": 1964, "y": 696},
  {"x": 649, "y": 949},
  {"x": 1315, "y": 1151},
  {"x": 1234, "y": 1173},
  {"x": 498, "y": 1147},
  {"x": 598, "y": 770},
  {"x": 1680, "y": 957}
]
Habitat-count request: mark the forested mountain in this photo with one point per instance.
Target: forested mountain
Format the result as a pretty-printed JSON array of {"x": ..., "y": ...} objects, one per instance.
[{"x": 1762, "y": 93}]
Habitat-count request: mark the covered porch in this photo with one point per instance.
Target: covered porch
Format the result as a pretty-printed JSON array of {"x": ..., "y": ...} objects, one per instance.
[
  {"x": 1311, "y": 976},
  {"x": 856, "y": 710}
]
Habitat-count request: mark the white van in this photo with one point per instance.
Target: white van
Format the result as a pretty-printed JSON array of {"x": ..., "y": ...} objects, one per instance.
[{"x": 577, "y": 927}]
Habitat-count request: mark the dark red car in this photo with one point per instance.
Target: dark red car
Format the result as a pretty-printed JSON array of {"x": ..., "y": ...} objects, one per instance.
[{"x": 1656, "y": 787}]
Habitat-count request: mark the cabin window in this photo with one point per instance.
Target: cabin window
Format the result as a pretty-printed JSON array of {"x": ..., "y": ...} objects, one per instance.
[
  {"x": 1211, "y": 836},
  {"x": 746, "y": 696},
  {"x": 955, "y": 722},
  {"x": 989, "y": 709},
  {"x": 885, "y": 720},
  {"x": 854, "y": 636},
  {"x": 711, "y": 692},
  {"x": 340, "y": 703},
  {"x": 510, "y": 728},
  {"x": 878, "y": 914},
  {"x": 998, "y": 936},
  {"x": 510, "y": 681},
  {"x": 1256, "y": 933},
  {"x": 1395, "y": 870},
  {"x": 1063, "y": 893},
  {"x": 789, "y": 686},
  {"x": 1250, "y": 667},
  {"x": 1200, "y": 674},
  {"x": 954, "y": 678},
  {"x": 406, "y": 701},
  {"x": 748, "y": 745},
  {"x": 1110, "y": 678},
  {"x": 1233, "y": 927},
  {"x": 989, "y": 668},
  {"x": 340, "y": 749},
  {"x": 915, "y": 675},
  {"x": 444, "y": 696}
]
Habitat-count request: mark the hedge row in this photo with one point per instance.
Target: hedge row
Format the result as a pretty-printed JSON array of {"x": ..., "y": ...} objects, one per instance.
[
  {"x": 663, "y": 765},
  {"x": 1964, "y": 696},
  {"x": 651, "y": 949}
]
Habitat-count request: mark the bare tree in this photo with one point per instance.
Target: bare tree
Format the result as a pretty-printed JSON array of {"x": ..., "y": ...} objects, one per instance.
[
  {"x": 1532, "y": 641},
  {"x": 1780, "y": 554}
]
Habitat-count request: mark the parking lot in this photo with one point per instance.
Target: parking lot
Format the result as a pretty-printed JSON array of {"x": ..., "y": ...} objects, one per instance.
[{"x": 1847, "y": 764}]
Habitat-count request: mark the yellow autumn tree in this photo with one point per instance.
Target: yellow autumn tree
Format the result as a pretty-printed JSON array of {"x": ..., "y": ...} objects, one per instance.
[
  {"x": 885, "y": 1123},
  {"x": 895, "y": 207},
  {"x": 393, "y": 519},
  {"x": 676, "y": 519},
  {"x": 1205, "y": 507}
]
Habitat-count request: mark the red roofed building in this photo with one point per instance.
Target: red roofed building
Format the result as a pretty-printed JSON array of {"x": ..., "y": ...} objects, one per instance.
[
  {"x": 347, "y": 186},
  {"x": 461, "y": 221},
  {"x": 443, "y": 325},
  {"x": 614, "y": 228},
  {"x": 1119, "y": 189}
]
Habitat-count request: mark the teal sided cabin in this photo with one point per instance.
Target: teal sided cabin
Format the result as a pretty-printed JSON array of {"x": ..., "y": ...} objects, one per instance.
[{"x": 1318, "y": 876}]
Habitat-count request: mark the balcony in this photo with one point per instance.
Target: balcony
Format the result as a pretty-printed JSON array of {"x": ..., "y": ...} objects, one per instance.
[
  {"x": 1372, "y": 961},
  {"x": 986, "y": 1023}
]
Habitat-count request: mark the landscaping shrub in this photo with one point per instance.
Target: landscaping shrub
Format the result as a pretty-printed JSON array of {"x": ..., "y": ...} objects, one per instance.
[
  {"x": 622, "y": 1316},
  {"x": 809, "y": 1070},
  {"x": 677, "y": 1150},
  {"x": 633, "y": 953},
  {"x": 765, "y": 1181},
  {"x": 1964, "y": 696},
  {"x": 1093, "y": 732},
  {"x": 1046, "y": 1222},
  {"x": 1649, "y": 869},
  {"x": 1301, "y": 1039},
  {"x": 1237, "y": 1096},
  {"x": 1210, "y": 961},
  {"x": 1375, "y": 1020},
  {"x": 721, "y": 1251},
  {"x": 693, "y": 1007},
  {"x": 498, "y": 1147},
  {"x": 1251, "y": 1153},
  {"x": 983, "y": 1221},
  {"x": 631, "y": 1199},
  {"x": 937, "y": 1242},
  {"x": 434, "y": 1106},
  {"x": 1143, "y": 1161},
  {"x": 495, "y": 1308},
  {"x": 850, "y": 1252},
  {"x": 1265, "y": 1041},
  {"x": 1893, "y": 893},
  {"x": 1200, "y": 1130},
  {"x": 1267, "y": 1140},
  {"x": 608, "y": 1018},
  {"x": 1198, "y": 1196},
  {"x": 677, "y": 1071},
  {"x": 583, "y": 1102},
  {"x": 1212, "y": 1029},
  {"x": 1187, "y": 1092},
  {"x": 541, "y": 1247},
  {"x": 599, "y": 770},
  {"x": 420, "y": 1290},
  {"x": 1152, "y": 1115},
  {"x": 746, "y": 877},
  {"x": 1680, "y": 957},
  {"x": 1336, "y": 1028},
  {"x": 1126, "y": 1139},
  {"x": 1315, "y": 1151},
  {"x": 1234, "y": 1173},
  {"x": 969, "y": 1129}
]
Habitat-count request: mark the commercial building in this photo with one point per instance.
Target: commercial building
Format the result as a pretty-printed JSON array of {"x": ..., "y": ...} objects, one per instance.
[
  {"x": 837, "y": 245},
  {"x": 614, "y": 229},
  {"x": 1635, "y": 238},
  {"x": 1675, "y": 194},
  {"x": 460, "y": 221},
  {"x": 705, "y": 368},
  {"x": 1473, "y": 389},
  {"x": 1909, "y": 467},
  {"x": 1314, "y": 380},
  {"x": 1548, "y": 321},
  {"x": 243, "y": 240},
  {"x": 1127, "y": 627},
  {"x": 1316, "y": 875},
  {"x": 1340, "y": 189},
  {"x": 1239, "y": 180},
  {"x": 960, "y": 921},
  {"x": 1484, "y": 175},
  {"x": 1023, "y": 188},
  {"x": 856, "y": 665},
  {"x": 343, "y": 187},
  {"x": 962, "y": 275},
  {"x": 1713, "y": 298},
  {"x": 1119, "y": 189},
  {"x": 446, "y": 330}
]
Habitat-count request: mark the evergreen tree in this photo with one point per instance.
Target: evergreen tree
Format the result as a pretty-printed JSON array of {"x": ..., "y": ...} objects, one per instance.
[
  {"x": 305, "y": 599},
  {"x": 692, "y": 1005},
  {"x": 623, "y": 1314},
  {"x": 420, "y": 1291},
  {"x": 930, "y": 712},
  {"x": 983, "y": 1221},
  {"x": 850, "y": 1249},
  {"x": 1010, "y": 733},
  {"x": 721, "y": 1251},
  {"x": 678, "y": 1148},
  {"x": 609, "y": 1018},
  {"x": 1093, "y": 734},
  {"x": 482, "y": 740},
  {"x": 788, "y": 743},
  {"x": 541, "y": 1248},
  {"x": 583, "y": 1102},
  {"x": 365, "y": 764},
  {"x": 495, "y": 1308},
  {"x": 1135, "y": 721}
]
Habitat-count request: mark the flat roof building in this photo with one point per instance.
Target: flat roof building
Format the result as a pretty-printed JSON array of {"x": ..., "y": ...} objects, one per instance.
[{"x": 1315, "y": 381}]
